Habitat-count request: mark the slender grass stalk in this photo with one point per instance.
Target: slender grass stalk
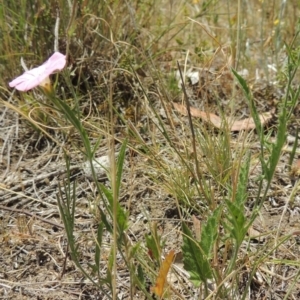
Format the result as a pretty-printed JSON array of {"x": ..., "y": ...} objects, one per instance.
[
  {"x": 238, "y": 35},
  {"x": 114, "y": 186},
  {"x": 190, "y": 122}
]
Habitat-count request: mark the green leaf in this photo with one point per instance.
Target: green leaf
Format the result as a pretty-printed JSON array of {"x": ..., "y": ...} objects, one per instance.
[
  {"x": 140, "y": 275},
  {"x": 209, "y": 233},
  {"x": 243, "y": 83},
  {"x": 120, "y": 164},
  {"x": 98, "y": 245},
  {"x": 241, "y": 193},
  {"x": 194, "y": 260},
  {"x": 251, "y": 103},
  {"x": 255, "y": 116},
  {"x": 74, "y": 118},
  {"x": 238, "y": 228},
  {"x": 134, "y": 249},
  {"x": 109, "y": 196},
  {"x": 279, "y": 143},
  {"x": 121, "y": 213},
  {"x": 105, "y": 221},
  {"x": 153, "y": 247},
  {"x": 110, "y": 264},
  {"x": 122, "y": 217}
]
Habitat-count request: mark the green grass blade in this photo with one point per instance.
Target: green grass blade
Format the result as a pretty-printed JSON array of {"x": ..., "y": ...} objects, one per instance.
[{"x": 120, "y": 164}]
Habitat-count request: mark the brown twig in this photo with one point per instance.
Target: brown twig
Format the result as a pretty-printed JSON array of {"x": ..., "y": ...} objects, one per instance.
[
  {"x": 21, "y": 211},
  {"x": 65, "y": 262},
  {"x": 188, "y": 108}
]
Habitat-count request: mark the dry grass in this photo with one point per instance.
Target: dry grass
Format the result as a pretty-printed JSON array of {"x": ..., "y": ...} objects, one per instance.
[{"x": 126, "y": 54}]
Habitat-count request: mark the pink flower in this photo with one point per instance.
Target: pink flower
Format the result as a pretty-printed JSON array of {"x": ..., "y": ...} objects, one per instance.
[{"x": 40, "y": 75}]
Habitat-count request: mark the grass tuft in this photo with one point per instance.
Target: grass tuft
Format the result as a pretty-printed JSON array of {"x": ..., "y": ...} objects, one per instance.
[{"x": 119, "y": 181}]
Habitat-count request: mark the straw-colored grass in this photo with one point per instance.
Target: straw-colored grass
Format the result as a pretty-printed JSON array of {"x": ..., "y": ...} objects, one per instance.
[{"x": 105, "y": 178}]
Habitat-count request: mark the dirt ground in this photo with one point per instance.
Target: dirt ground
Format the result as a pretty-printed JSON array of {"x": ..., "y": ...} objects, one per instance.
[{"x": 34, "y": 262}]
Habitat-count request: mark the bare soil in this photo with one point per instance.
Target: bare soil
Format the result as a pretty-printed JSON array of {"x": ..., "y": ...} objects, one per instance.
[{"x": 34, "y": 261}]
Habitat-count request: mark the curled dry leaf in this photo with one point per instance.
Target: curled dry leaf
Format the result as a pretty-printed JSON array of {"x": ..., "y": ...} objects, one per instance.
[
  {"x": 158, "y": 289},
  {"x": 197, "y": 228},
  {"x": 216, "y": 121}
]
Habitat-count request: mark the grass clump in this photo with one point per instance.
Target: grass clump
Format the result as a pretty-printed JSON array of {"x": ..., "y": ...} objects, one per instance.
[{"x": 124, "y": 178}]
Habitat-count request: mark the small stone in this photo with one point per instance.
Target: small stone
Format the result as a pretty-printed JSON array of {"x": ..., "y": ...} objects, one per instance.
[{"x": 101, "y": 166}]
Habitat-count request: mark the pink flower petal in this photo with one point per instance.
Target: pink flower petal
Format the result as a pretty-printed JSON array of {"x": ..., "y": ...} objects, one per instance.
[
  {"x": 32, "y": 78},
  {"x": 55, "y": 63}
]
